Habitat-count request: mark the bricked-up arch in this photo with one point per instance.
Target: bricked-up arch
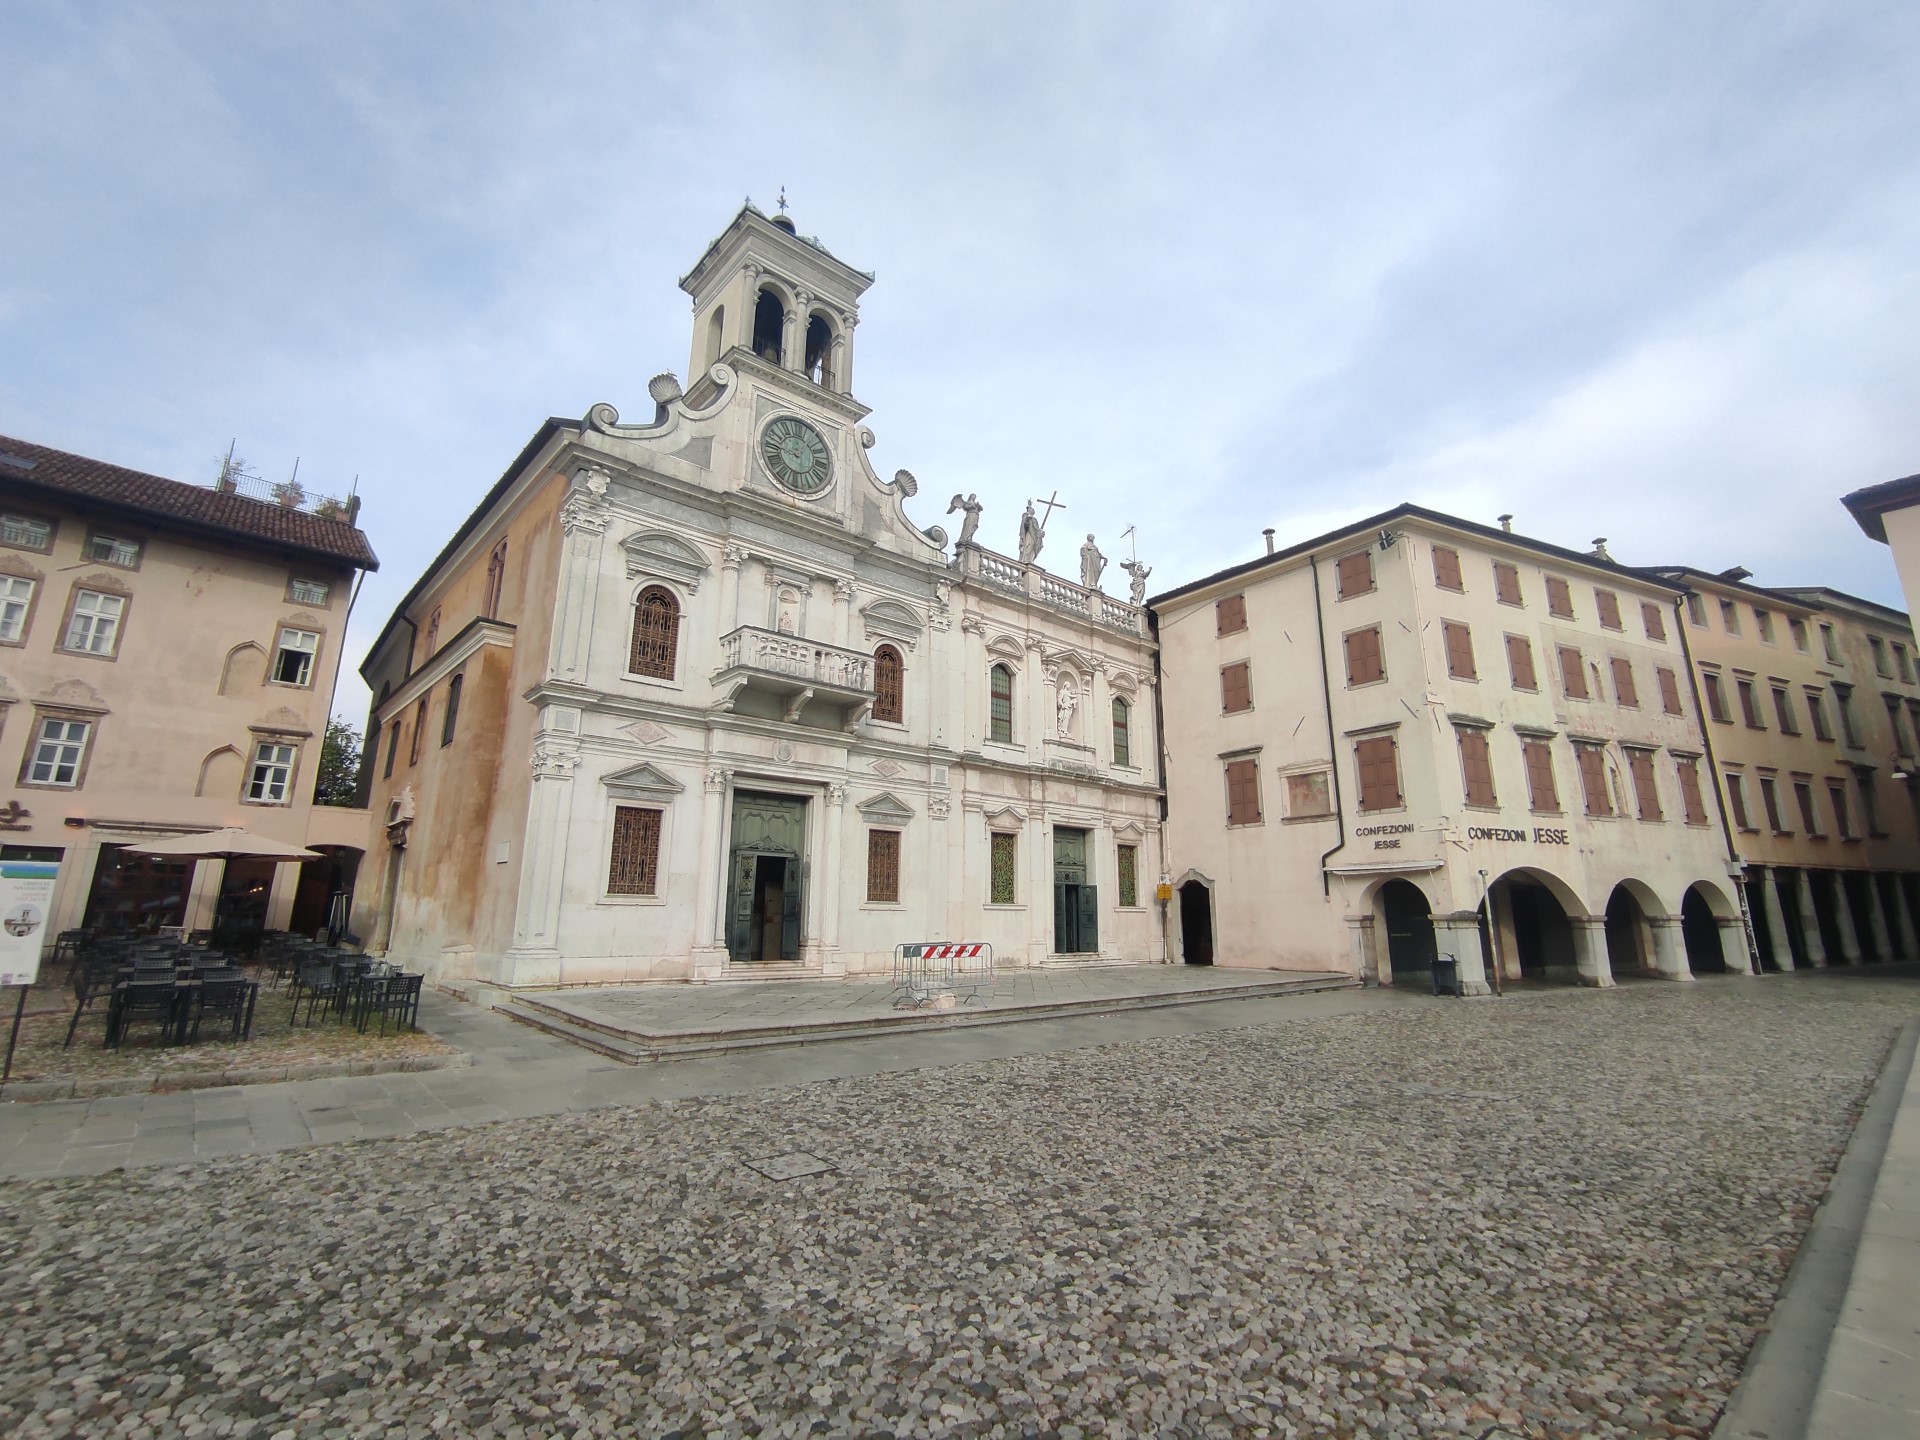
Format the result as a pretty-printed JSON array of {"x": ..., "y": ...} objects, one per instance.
[
  {"x": 656, "y": 634},
  {"x": 889, "y": 685}
]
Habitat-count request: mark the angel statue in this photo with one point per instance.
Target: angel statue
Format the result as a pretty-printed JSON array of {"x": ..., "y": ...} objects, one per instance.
[
  {"x": 1139, "y": 573},
  {"x": 970, "y": 505},
  {"x": 1031, "y": 536}
]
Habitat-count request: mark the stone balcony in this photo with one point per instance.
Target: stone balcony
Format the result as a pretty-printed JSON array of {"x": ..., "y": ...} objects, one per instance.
[
  {"x": 1002, "y": 572},
  {"x": 767, "y": 673}
]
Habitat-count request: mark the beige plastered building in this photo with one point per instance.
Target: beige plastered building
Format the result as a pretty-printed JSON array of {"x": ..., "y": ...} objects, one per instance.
[{"x": 167, "y": 662}]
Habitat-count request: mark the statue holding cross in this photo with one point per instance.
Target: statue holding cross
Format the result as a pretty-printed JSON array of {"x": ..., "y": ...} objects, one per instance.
[{"x": 1033, "y": 531}]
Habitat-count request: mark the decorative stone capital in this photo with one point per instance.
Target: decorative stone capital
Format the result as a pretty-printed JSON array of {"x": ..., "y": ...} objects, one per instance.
[
  {"x": 583, "y": 515},
  {"x": 733, "y": 557},
  {"x": 971, "y": 624},
  {"x": 554, "y": 762},
  {"x": 716, "y": 780},
  {"x": 836, "y": 795},
  {"x": 843, "y": 590},
  {"x": 939, "y": 807}
]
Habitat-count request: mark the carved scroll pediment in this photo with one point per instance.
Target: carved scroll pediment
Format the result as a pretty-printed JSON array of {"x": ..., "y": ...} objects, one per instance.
[{"x": 655, "y": 552}]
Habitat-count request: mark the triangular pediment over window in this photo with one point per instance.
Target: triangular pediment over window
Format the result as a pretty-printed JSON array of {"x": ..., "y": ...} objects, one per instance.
[
  {"x": 655, "y": 552},
  {"x": 885, "y": 809},
  {"x": 1006, "y": 817},
  {"x": 642, "y": 782}
]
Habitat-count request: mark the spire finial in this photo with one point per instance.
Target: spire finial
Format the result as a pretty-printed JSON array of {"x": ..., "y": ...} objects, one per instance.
[{"x": 783, "y": 199}]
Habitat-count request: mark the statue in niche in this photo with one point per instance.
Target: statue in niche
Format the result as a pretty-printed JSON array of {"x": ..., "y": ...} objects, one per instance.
[
  {"x": 1092, "y": 562},
  {"x": 971, "y": 507},
  {"x": 1032, "y": 534},
  {"x": 1066, "y": 698},
  {"x": 1139, "y": 573},
  {"x": 783, "y": 621}
]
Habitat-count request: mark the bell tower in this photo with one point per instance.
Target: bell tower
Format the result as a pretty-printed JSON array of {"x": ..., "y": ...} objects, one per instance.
[{"x": 764, "y": 289}]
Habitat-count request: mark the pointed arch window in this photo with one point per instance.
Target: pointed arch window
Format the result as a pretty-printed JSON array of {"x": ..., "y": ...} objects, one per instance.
[
  {"x": 656, "y": 633},
  {"x": 889, "y": 685},
  {"x": 1000, "y": 704},
  {"x": 1122, "y": 733}
]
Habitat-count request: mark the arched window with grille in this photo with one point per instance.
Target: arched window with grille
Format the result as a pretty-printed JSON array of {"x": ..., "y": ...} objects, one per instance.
[
  {"x": 656, "y": 633},
  {"x": 1000, "y": 704},
  {"x": 1122, "y": 733},
  {"x": 889, "y": 685}
]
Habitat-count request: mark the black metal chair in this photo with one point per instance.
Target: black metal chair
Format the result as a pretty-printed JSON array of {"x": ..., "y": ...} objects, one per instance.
[
  {"x": 137, "y": 1000},
  {"x": 228, "y": 996},
  {"x": 92, "y": 981},
  {"x": 317, "y": 984},
  {"x": 395, "y": 995}
]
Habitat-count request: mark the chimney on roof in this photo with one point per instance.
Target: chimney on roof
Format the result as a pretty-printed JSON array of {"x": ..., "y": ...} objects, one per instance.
[
  {"x": 1268, "y": 532},
  {"x": 1600, "y": 548},
  {"x": 1506, "y": 523}
]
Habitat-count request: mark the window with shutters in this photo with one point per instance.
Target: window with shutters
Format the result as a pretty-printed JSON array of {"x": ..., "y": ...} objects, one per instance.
[
  {"x": 633, "y": 868},
  {"x": 1243, "y": 792},
  {"x": 1559, "y": 598},
  {"x": 1692, "y": 803},
  {"x": 1476, "y": 767},
  {"x": 1606, "y": 605},
  {"x": 1506, "y": 583},
  {"x": 1730, "y": 617},
  {"x": 1625, "y": 692},
  {"x": 1716, "y": 689},
  {"x": 1573, "y": 673},
  {"x": 1809, "y": 813},
  {"x": 1783, "y": 711},
  {"x": 1770, "y": 802},
  {"x": 1127, "y": 858},
  {"x": 1365, "y": 662},
  {"x": 1236, "y": 687},
  {"x": 1378, "y": 762},
  {"x": 1669, "y": 689},
  {"x": 1000, "y": 705},
  {"x": 1737, "y": 800},
  {"x": 1309, "y": 795},
  {"x": 1763, "y": 625},
  {"x": 1817, "y": 716},
  {"x": 1879, "y": 649},
  {"x": 1900, "y": 746},
  {"x": 1593, "y": 779},
  {"x": 1230, "y": 615},
  {"x": 1446, "y": 568},
  {"x": 883, "y": 867},
  {"x": 1458, "y": 640},
  {"x": 1653, "y": 621},
  {"x": 1354, "y": 574},
  {"x": 1798, "y": 629},
  {"x": 1697, "y": 611},
  {"x": 1843, "y": 702},
  {"x": 1543, "y": 792},
  {"x": 655, "y": 648},
  {"x": 1749, "y": 703},
  {"x": 1646, "y": 792},
  {"x": 1003, "y": 853},
  {"x": 889, "y": 685},
  {"x": 1520, "y": 663},
  {"x": 1122, "y": 733},
  {"x": 1842, "y": 816}
]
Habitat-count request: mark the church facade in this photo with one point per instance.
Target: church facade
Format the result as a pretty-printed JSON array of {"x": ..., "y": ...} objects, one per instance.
[{"x": 696, "y": 699}]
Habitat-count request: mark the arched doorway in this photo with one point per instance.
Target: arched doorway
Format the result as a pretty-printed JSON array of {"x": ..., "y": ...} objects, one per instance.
[
  {"x": 1531, "y": 931},
  {"x": 1196, "y": 923},
  {"x": 1410, "y": 944},
  {"x": 1700, "y": 933},
  {"x": 1629, "y": 941}
]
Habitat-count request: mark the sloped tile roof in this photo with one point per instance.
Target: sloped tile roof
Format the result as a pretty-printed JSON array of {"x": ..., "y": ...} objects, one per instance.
[{"x": 26, "y": 467}]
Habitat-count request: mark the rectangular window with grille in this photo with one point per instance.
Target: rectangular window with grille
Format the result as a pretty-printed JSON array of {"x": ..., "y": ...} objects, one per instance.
[
  {"x": 1716, "y": 689},
  {"x": 1236, "y": 687},
  {"x": 1000, "y": 705},
  {"x": 1458, "y": 640},
  {"x": 1669, "y": 689},
  {"x": 1355, "y": 574},
  {"x": 1593, "y": 780},
  {"x": 16, "y": 598},
  {"x": 1646, "y": 792},
  {"x": 1122, "y": 733},
  {"x": 1520, "y": 663},
  {"x": 883, "y": 867},
  {"x": 1606, "y": 605},
  {"x": 1476, "y": 767},
  {"x": 58, "y": 753},
  {"x": 1378, "y": 762},
  {"x": 1543, "y": 791},
  {"x": 94, "y": 628},
  {"x": 1737, "y": 801},
  {"x": 1004, "y": 853},
  {"x": 1446, "y": 568},
  {"x": 1243, "y": 792},
  {"x": 1559, "y": 598},
  {"x": 1692, "y": 802},
  {"x": 1365, "y": 663},
  {"x": 308, "y": 592},
  {"x": 1625, "y": 692},
  {"x": 114, "y": 550},
  {"x": 634, "y": 867},
  {"x": 1309, "y": 794},
  {"x": 1506, "y": 583},
  {"x": 1653, "y": 621},
  {"x": 1573, "y": 673},
  {"x": 1230, "y": 615},
  {"x": 272, "y": 775},
  {"x": 1128, "y": 857},
  {"x": 889, "y": 686}
]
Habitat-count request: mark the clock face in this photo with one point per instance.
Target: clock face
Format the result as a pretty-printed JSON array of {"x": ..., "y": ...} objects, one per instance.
[{"x": 796, "y": 455}]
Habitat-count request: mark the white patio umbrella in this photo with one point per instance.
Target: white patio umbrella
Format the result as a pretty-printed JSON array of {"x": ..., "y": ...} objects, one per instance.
[{"x": 228, "y": 844}]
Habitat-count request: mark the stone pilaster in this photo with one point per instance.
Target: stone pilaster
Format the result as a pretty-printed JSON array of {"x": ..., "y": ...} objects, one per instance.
[
  {"x": 1733, "y": 945},
  {"x": 1843, "y": 920},
  {"x": 1458, "y": 935},
  {"x": 709, "y": 958},
  {"x": 732, "y": 558},
  {"x": 583, "y": 526},
  {"x": 535, "y": 955},
  {"x": 1780, "y": 948},
  {"x": 1877, "y": 920},
  {"x": 1903, "y": 920},
  {"x": 1590, "y": 950},
  {"x": 1810, "y": 938},
  {"x": 1360, "y": 954},
  {"x": 1669, "y": 948},
  {"x": 831, "y": 881}
]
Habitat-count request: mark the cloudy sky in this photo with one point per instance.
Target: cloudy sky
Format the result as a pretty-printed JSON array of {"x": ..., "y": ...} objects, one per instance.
[{"x": 1648, "y": 272}]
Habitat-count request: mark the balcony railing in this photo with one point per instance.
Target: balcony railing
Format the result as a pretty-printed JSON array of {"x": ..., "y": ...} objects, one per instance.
[
  {"x": 1006, "y": 573},
  {"x": 809, "y": 662}
]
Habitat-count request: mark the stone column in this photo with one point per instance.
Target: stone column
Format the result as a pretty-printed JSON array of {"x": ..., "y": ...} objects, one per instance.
[
  {"x": 1669, "y": 948},
  {"x": 583, "y": 524},
  {"x": 1733, "y": 946},
  {"x": 280, "y": 896},
  {"x": 793, "y": 347},
  {"x": 535, "y": 955},
  {"x": 1810, "y": 937},
  {"x": 832, "y": 879},
  {"x": 843, "y": 615},
  {"x": 1877, "y": 920},
  {"x": 1039, "y": 707},
  {"x": 1458, "y": 935},
  {"x": 709, "y": 949},
  {"x": 1590, "y": 950},
  {"x": 1039, "y": 887},
  {"x": 1781, "y": 948},
  {"x": 1903, "y": 920},
  {"x": 1843, "y": 918}
]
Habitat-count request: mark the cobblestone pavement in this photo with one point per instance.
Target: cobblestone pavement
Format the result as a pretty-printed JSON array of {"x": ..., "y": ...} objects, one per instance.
[{"x": 1565, "y": 1213}]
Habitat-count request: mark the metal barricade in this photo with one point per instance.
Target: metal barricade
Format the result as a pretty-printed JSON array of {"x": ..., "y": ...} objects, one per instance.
[{"x": 941, "y": 974}]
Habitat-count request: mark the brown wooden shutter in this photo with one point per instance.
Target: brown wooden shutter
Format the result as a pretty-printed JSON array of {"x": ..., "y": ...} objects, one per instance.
[
  {"x": 1573, "y": 673},
  {"x": 1458, "y": 640},
  {"x": 1476, "y": 767},
  {"x": 1625, "y": 692},
  {"x": 1520, "y": 663},
  {"x": 1446, "y": 568},
  {"x": 1803, "y": 795},
  {"x": 634, "y": 865},
  {"x": 1243, "y": 792},
  {"x": 1737, "y": 801},
  {"x": 1236, "y": 690},
  {"x": 1646, "y": 794},
  {"x": 1691, "y": 802},
  {"x": 1543, "y": 793},
  {"x": 1749, "y": 705},
  {"x": 1607, "y": 605},
  {"x": 1593, "y": 779},
  {"x": 883, "y": 867},
  {"x": 1506, "y": 583},
  {"x": 1364, "y": 661},
  {"x": 1230, "y": 615},
  {"x": 1716, "y": 697},
  {"x": 1379, "y": 774},
  {"x": 1356, "y": 574},
  {"x": 1559, "y": 598},
  {"x": 1669, "y": 690},
  {"x": 1654, "y": 619}
]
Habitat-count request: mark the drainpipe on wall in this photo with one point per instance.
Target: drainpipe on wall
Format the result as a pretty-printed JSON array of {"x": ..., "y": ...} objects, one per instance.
[
  {"x": 1713, "y": 769},
  {"x": 1160, "y": 738},
  {"x": 1333, "y": 745}
]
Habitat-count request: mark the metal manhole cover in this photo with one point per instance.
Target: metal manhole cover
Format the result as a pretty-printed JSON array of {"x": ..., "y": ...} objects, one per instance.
[{"x": 792, "y": 1166}]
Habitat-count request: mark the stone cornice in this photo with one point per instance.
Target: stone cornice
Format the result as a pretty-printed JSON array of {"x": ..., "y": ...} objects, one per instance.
[{"x": 474, "y": 637}]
